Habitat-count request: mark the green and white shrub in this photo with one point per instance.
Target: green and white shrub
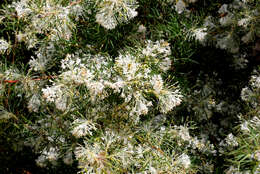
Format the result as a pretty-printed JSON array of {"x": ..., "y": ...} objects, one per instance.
[
  {"x": 100, "y": 84},
  {"x": 245, "y": 157}
]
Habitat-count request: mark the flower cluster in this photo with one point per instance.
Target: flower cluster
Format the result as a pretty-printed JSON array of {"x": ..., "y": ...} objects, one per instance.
[
  {"x": 132, "y": 76},
  {"x": 126, "y": 87},
  {"x": 121, "y": 148},
  {"x": 250, "y": 94},
  {"x": 48, "y": 18},
  {"x": 181, "y": 5},
  {"x": 4, "y": 45},
  {"x": 112, "y": 12}
]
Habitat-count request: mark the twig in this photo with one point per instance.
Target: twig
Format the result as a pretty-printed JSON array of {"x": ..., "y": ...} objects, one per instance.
[{"x": 36, "y": 79}]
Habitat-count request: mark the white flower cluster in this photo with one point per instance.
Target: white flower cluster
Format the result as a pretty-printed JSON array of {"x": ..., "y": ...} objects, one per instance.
[
  {"x": 181, "y": 5},
  {"x": 184, "y": 160},
  {"x": 22, "y": 8},
  {"x": 48, "y": 18},
  {"x": 57, "y": 95},
  {"x": 50, "y": 155},
  {"x": 234, "y": 170},
  {"x": 256, "y": 155},
  {"x": 251, "y": 93},
  {"x": 12, "y": 73},
  {"x": 131, "y": 76},
  {"x": 230, "y": 140},
  {"x": 112, "y": 12},
  {"x": 34, "y": 103},
  {"x": 200, "y": 34},
  {"x": 204, "y": 100},
  {"x": 82, "y": 128},
  {"x": 169, "y": 99},
  {"x": 161, "y": 50},
  {"x": 252, "y": 124},
  {"x": 44, "y": 55},
  {"x": 119, "y": 148},
  {"x": 183, "y": 137},
  {"x": 4, "y": 45},
  {"x": 47, "y": 22},
  {"x": 135, "y": 81},
  {"x": 244, "y": 126},
  {"x": 229, "y": 143},
  {"x": 227, "y": 42}
]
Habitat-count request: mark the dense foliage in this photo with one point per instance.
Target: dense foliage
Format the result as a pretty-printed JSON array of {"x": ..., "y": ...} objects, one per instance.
[{"x": 130, "y": 86}]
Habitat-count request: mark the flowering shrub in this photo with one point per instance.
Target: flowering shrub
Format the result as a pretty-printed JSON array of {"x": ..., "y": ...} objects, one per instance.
[
  {"x": 123, "y": 86},
  {"x": 246, "y": 156}
]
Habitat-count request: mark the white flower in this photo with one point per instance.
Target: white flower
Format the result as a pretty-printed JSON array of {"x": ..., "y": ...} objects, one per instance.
[
  {"x": 22, "y": 8},
  {"x": 255, "y": 121},
  {"x": 20, "y": 36},
  {"x": 228, "y": 43},
  {"x": 208, "y": 22},
  {"x": 4, "y": 45},
  {"x": 157, "y": 83},
  {"x": 184, "y": 160},
  {"x": 111, "y": 12},
  {"x": 116, "y": 86},
  {"x": 106, "y": 19},
  {"x": 141, "y": 29},
  {"x": 223, "y": 9},
  {"x": 256, "y": 155},
  {"x": 153, "y": 170},
  {"x": 244, "y": 126},
  {"x": 56, "y": 94},
  {"x": 128, "y": 65},
  {"x": 96, "y": 89},
  {"x": 154, "y": 48},
  {"x": 69, "y": 62},
  {"x": 169, "y": 99},
  {"x": 248, "y": 37},
  {"x": 200, "y": 34},
  {"x": 165, "y": 64},
  {"x": 226, "y": 20},
  {"x": 41, "y": 161},
  {"x": 83, "y": 128},
  {"x": 246, "y": 93},
  {"x": 90, "y": 155},
  {"x": 255, "y": 81},
  {"x": 141, "y": 105},
  {"x": 76, "y": 10},
  {"x": 240, "y": 62},
  {"x": 231, "y": 140},
  {"x": 244, "y": 22},
  {"x": 184, "y": 133},
  {"x": 51, "y": 154},
  {"x": 34, "y": 103},
  {"x": 61, "y": 103},
  {"x": 77, "y": 75},
  {"x": 232, "y": 170},
  {"x": 180, "y": 6},
  {"x": 51, "y": 93},
  {"x": 38, "y": 64}
]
